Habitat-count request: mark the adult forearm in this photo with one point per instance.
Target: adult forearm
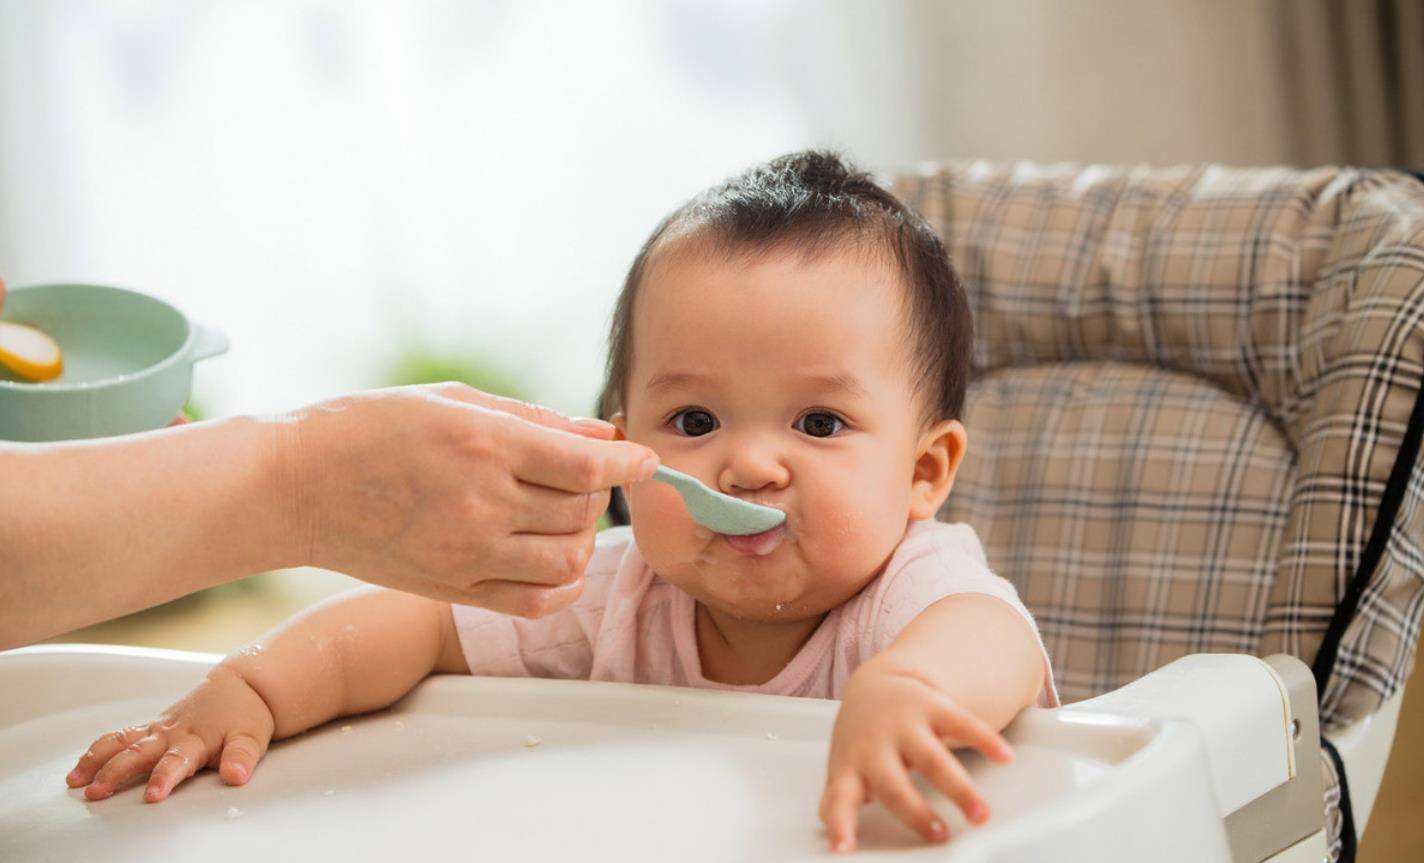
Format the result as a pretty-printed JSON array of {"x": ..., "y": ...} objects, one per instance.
[
  {"x": 438, "y": 490},
  {"x": 96, "y": 529}
]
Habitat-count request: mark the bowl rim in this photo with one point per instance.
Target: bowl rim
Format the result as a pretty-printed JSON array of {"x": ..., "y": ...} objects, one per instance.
[{"x": 116, "y": 380}]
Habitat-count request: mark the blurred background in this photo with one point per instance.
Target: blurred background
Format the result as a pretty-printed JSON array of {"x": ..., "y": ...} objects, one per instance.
[{"x": 364, "y": 194}]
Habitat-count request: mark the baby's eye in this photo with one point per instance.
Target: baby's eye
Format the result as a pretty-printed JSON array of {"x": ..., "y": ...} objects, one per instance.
[
  {"x": 693, "y": 422},
  {"x": 819, "y": 424}
]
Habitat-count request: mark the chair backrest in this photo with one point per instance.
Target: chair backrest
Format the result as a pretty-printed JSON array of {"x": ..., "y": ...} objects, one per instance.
[{"x": 1190, "y": 422}]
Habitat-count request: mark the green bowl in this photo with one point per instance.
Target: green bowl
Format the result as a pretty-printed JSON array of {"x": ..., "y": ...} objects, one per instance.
[{"x": 128, "y": 363}]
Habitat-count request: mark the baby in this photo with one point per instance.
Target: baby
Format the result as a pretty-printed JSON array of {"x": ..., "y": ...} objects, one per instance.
[{"x": 796, "y": 337}]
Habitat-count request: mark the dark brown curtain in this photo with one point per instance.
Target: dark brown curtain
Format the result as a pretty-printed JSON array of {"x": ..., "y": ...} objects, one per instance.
[{"x": 1356, "y": 73}]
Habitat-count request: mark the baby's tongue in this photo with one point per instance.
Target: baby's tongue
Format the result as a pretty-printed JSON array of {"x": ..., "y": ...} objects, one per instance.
[{"x": 757, "y": 544}]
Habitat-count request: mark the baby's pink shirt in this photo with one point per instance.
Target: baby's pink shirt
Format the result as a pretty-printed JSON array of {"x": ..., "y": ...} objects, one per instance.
[{"x": 631, "y": 626}]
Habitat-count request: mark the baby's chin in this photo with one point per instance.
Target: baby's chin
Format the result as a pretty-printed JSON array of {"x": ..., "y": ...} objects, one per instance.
[
  {"x": 775, "y": 588},
  {"x": 759, "y": 607},
  {"x": 788, "y": 576}
]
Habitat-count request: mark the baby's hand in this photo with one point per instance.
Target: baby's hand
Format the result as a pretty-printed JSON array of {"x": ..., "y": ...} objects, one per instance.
[
  {"x": 222, "y": 723},
  {"x": 888, "y": 720}
]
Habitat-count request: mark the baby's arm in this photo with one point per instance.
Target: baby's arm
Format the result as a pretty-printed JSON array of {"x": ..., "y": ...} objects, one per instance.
[
  {"x": 956, "y": 675},
  {"x": 356, "y": 653}
]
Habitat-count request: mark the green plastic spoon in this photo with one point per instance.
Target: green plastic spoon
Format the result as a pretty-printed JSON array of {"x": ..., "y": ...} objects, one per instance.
[{"x": 720, "y": 512}]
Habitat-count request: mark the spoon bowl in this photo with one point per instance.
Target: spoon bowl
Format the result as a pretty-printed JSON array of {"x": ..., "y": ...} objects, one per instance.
[{"x": 720, "y": 512}]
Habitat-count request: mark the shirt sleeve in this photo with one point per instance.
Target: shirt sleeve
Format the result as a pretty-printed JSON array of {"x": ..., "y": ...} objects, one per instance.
[
  {"x": 933, "y": 562},
  {"x": 559, "y": 645}
]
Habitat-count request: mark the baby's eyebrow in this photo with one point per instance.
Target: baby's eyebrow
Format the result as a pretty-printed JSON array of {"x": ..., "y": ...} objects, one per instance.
[
  {"x": 672, "y": 380},
  {"x": 835, "y": 382},
  {"x": 838, "y": 382}
]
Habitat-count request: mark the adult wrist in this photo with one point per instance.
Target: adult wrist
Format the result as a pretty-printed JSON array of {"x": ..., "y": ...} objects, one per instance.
[{"x": 286, "y": 455}]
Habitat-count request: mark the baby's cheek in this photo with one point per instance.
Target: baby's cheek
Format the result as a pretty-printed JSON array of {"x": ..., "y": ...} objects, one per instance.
[
  {"x": 664, "y": 531},
  {"x": 855, "y": 533}
]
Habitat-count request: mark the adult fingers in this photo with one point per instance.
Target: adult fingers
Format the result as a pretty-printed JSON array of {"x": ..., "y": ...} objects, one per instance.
[
  {"x": 542, "y": 560},
  {"x": 945, "y": 773},
  {"x": 240, "y": 753},
  {"x": 184, "y": 758},
  {"x": 543, "y": 510},
  {"x": 560, "y": 460},
  {"x": 134, "y": 760},
  {"x": 840, "y": 811},
  {"x": 537, "y": 414},
  {"x": 592, "y": 427},
  {"x": 891, "y": 786},
  {"x": 965, "y": 729},
  {"x": 100, "y": 752},
  {"x": 523, "y": 600}
]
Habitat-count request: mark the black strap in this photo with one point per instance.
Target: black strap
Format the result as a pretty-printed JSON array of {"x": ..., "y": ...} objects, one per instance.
[
  {"x": 1347, "y": 814},
  {"x": 1394, "y": 491}
]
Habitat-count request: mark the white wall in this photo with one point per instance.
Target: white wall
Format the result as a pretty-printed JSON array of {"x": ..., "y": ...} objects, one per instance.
[
  {"x": 1160, "y": 81},
  {"x": 326, "y": 180}
]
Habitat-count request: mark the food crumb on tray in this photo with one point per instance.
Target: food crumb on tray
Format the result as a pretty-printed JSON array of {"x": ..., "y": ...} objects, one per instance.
[
  {"x": 233, "y": 813},
  {"x": 530, "y": 741}
]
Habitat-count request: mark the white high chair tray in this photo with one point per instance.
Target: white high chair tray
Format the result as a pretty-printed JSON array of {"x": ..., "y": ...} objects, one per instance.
[{"x": 619, "y": 772}]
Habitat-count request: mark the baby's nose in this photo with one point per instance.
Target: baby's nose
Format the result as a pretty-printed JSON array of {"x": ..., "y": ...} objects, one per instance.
[{"x": 752, "y": 467}]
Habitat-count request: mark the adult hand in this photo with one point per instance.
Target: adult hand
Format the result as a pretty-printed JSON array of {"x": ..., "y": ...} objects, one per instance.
[
  {"x": 438, "y": 490},
  {"x": 454, "y": 494}
]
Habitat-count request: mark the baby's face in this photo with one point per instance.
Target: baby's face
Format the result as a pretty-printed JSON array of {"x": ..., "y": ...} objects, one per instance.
[{"x": 785, "y": 381}]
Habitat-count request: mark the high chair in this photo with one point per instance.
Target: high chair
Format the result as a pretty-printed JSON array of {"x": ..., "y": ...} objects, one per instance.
[
  {"x": 1194, "y": 442},
  {"x": 1195, "y": 431}
]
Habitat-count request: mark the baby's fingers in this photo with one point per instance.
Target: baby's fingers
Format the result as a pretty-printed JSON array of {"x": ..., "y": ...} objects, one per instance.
[
  {"x": 945, "y": 773},
  {"x": 963, "y": 728},
  {"x": 840, "y": 810},
  {"x": 891, "y": 786},
  {"x": 136, "y": 759},
  {"x": 104, "y": 748},
  {"x": 240, "y": 754},
  {"x": 184, "y": 758}
]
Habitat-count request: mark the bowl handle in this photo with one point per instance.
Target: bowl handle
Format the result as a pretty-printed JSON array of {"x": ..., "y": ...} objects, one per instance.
[{"x": 207, "y": 342}]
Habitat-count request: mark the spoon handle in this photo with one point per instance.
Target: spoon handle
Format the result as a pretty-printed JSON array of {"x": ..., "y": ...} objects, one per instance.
[{"x": 677, "y": 479}]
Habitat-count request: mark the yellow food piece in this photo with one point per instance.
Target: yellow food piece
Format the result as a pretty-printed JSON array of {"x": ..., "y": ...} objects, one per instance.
[{"x": 29, "y": 353}]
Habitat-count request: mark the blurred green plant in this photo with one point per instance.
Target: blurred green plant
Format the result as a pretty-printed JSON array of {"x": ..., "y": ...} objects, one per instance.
[{"x": 423, "y": 365}]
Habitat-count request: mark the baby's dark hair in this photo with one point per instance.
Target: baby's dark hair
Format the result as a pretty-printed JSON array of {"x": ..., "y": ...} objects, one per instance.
[{"x": 814, "y": 202}]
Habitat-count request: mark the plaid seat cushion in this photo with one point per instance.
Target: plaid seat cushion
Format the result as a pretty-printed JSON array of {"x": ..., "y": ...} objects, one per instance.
[
  {"x": 1140, "y": 511},
  {"x": 1170, "y": 357}
]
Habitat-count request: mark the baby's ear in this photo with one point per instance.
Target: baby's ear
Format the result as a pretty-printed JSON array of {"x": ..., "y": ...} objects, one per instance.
[
  {"x": 937, "y": 460},
  {"x": 620, "y": 426}
]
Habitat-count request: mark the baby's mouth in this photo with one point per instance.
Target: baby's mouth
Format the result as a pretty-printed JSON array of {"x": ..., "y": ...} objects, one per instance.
[{"x": 757, "y": 544}]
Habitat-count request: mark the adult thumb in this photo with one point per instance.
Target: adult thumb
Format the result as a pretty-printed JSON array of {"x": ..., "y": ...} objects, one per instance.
[{"x": 537, "y": 414}]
